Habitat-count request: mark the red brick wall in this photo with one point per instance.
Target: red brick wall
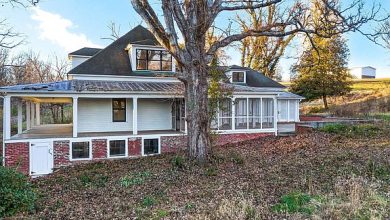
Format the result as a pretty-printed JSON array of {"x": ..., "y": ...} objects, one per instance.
[
  {"x": 172, "y": 143},
  {"x": 61, "y": 153},
  {"x": 134, "y": 147},
  {"x": 17, "y": 155},
  {"x": 99, "y": 148}
]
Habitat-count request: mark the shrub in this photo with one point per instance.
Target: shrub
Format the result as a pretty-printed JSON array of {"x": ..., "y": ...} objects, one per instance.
[
  {"x": 148, "y": 201},
  {"x": 359, "y": 129},
  {"x": 16, "y": 193},
  {"x": 93, "y": 180}
]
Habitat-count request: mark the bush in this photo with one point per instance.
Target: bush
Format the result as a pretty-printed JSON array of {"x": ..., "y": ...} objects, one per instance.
[
  {"x": 178, "y": 162},
  {"x": 16, "y": 193},
  {"x": 358, "y": 129}
]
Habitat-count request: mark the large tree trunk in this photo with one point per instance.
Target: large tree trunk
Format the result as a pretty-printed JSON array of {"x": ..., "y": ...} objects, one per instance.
[{"x": 196, "y": 94}]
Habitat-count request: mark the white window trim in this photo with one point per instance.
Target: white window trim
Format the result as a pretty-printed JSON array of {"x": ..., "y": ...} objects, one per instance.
[
  {"x": 133, "y": 55},
  {"x": 71, "y": 147},
  {"x": 159, "y": 145},
  {"x": 237, "y": 71},
  {"x": 118, "y": 139}
]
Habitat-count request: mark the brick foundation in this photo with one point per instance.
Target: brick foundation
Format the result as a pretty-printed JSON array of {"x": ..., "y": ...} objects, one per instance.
[
  {"x": 134, "y": 147},
  {"x": 17, "y": 155},
  {"x": 99, "y": 148},
  {"x": 61, "y": 153}
]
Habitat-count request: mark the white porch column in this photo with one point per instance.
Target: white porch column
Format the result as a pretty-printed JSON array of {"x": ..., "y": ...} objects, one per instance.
[
  {"x": 135, "y": 115},
  {"x": 75, "y": 118},
  {"x": 7, "y": 117},
  {"x": 276, "y": 116},
  {"x": 28, "y": 115},
  {"x": 37, "y": 113},
  {"x": 32, "y": 105},
  {"x": 233, "y": 113},
  {"x": 20, "y": 117}
]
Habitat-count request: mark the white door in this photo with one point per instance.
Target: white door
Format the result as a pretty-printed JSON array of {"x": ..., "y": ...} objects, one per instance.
[{"x": 41, "y": 158}]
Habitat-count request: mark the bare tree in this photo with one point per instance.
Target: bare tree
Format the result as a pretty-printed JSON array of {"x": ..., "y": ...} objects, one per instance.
[
  {"x": 191, "y": 20},
  {"x": 8, "y": 37},
  {"x": 263, "y": 53},
  {"x": 115, "y": 31},
  {"x": 15, "y": 3}
]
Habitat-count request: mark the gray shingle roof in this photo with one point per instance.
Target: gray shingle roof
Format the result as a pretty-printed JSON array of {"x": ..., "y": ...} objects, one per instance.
[
  {"x": 114, "y": 59},
  {"x": 85, "y": 51},
  {"x": 255, "y": 78},
  {"x": 289, "y": 95}
]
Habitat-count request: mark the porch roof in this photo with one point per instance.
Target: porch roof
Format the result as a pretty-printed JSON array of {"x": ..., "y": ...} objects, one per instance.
[{"x": 148, "y": 87}]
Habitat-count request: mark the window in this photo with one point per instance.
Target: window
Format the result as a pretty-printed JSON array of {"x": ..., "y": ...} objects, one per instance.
[
  {"x": 81, "y": 150},
  {"x": 225, "y": 115},
  {"x": 238, "y": 77},
  {"x": 119, "y": 110},
  {"x": 268, "y": 113},
  {"x": 151, "y": 146},
  {"x": 282, "y": 110},
  {"x": 254, "y": 113},
  {"x": 117, "y": 148},
  {"x": 156, "y": 60},
  {"x": 241, "y": 114}
]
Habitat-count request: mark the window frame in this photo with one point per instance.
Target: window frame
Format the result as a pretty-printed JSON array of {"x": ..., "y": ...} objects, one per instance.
[
  {"x": 117, "y": 139},
  {"x": 159, "y": 145},
  {"x": 244, "y": 77},
  {"x": 161, "y": 60},
  {"x": 71, "y": 150},
  {"x": 113, "y": 109}
]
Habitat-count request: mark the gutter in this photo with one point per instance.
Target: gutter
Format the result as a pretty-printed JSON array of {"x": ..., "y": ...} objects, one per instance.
[{"x": 3, "y": 144}]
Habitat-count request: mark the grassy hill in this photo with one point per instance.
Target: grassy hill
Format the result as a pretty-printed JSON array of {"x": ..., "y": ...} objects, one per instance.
[{"x": 368, "y": 97}]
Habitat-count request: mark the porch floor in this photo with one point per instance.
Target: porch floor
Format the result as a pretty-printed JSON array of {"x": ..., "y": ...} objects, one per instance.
[{"x": 65, "y": 131}]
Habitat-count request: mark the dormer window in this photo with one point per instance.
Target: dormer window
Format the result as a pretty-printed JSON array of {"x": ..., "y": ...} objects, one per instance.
[
  {"x": 238, "y": 77},
  {"x": 155, "y": 60}
]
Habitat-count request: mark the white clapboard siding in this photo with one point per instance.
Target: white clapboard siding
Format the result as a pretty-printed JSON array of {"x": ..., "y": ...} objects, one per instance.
[
  {"x": 95, "y": 115},
  {"x": 154, "y": 114}
]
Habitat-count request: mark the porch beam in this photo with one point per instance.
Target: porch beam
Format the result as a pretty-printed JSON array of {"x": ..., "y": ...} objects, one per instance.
[
  {"x": 7, "y": 117},
  {"x": 135, "y": 115},
  {"x": 20, "y": 117},
  {"x": 38, "y": 114},
  {"x": 75, "y": 118},
  {"x": 28, "y": 115}
]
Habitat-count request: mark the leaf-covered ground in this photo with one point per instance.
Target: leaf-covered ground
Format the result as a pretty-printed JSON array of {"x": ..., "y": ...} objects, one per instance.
[{"x": 243, "y": 181}]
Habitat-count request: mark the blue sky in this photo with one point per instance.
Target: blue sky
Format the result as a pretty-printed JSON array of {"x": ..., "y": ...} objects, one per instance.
[{"x": 57, "y": 27}]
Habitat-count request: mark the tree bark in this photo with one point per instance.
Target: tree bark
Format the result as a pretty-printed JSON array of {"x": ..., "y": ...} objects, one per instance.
[
  {"x": 325, "y": 101},
  {"x": 196, "y": 93}
]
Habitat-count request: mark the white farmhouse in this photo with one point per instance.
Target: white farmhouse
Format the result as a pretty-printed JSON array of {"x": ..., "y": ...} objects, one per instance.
[
  {"x": 366, "y": 72},
  {"x": 126, "y": 102}
]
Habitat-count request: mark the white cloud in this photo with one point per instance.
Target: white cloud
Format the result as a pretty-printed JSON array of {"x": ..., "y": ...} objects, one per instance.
[{"x": 57, "y": 29}]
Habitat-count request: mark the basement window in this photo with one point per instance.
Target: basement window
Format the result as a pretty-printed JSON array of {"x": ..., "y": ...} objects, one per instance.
[
  {"x": 151, "y": 146},
  {"x": 81, "y": 150},
  {"x": 117, "y": 148}
]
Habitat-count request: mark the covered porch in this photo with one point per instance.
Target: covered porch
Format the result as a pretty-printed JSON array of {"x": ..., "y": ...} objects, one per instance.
[{"x": 93, "y": 116}]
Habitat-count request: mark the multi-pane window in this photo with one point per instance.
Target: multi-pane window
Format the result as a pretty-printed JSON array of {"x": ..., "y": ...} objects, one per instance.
[
  {"x": 80, "y": 150},
  {"x": 151, "y": 146},
  {"x": 156, "y": 60},
  {"x": 117, "y": 148},
  {"x": 119, "y": 110},
  {"x": 238, "y": 77},
  {"x": 250, "y": 113}
]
